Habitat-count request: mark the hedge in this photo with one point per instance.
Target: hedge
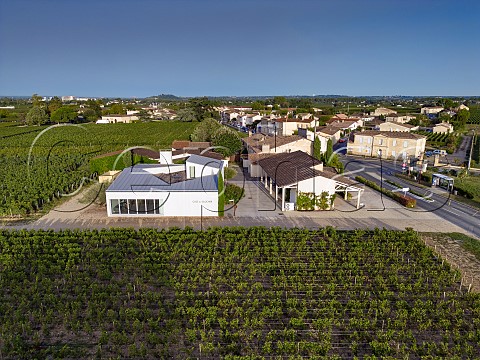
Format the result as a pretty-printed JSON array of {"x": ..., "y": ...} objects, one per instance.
[{"x": 404, "y": 200}]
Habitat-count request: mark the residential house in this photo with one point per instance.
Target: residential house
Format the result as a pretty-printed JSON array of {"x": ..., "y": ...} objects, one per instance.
[
  {"x": 431, "y": 110},
  {"x": 259, "y": 146},
  {"x": 443, "y": 128},
  {"x": 373, "y": 124},
  {"x": 462, "y": 107},
  {"x": 330, "y": 132},
  {"x": 346, "y": 125},
  {"x": 395, "y": 126},
  {"x": 304, "y": 116},
  {"x": 381, "y": 111},
  {"x": 387, "y": 144},
  {"x": 399, "y": 118},
  {"x": 119, "y": 118}
]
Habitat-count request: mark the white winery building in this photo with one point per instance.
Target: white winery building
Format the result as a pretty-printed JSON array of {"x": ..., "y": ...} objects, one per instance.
[{"x": 147, "y": 190}]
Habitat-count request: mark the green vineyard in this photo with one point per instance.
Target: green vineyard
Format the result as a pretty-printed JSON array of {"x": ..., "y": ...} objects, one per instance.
[
  {"x": 474, "y": 115},
  {"x": 232, "y": 293},
  {"x": 41, "y": 164},
  {"x": 436, "y": 138}
]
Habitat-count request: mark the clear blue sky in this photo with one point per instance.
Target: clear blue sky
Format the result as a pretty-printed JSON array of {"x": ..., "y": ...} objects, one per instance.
[{"x": 236, "y": 47}]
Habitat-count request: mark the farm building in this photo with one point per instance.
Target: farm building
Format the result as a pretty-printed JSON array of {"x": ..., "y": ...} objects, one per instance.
[{"x": 189, "y": 189}]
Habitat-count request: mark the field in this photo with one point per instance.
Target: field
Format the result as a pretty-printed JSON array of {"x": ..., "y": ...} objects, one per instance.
[
  {"x": 231, "y": 293},
  {"x": 474, "y": 115},
  {"x": 434, "y": 140},
  {"x": 40, "y": 164}
]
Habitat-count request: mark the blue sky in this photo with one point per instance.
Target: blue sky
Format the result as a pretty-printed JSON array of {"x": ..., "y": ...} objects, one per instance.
[{"x": 236, "y": 47}]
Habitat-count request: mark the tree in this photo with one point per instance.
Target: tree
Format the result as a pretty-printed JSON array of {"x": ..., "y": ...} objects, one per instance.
[
  {"x": 227, "y": 140},
  {"x": 116, "y": 109},
  {"x": 327, "y": 157},
  {"x": 186, "y": 115},
  {"x": 64, "y": 114},
  {"x": 203, "y": 109},
  {"x": 444, "y": 117},
  {"x": 54, "y": 104},
  {"x": 36, "y": 116},
  {"x": 460, "y": 119},
  {"x": 95, "y": 106},
  {"x": 280, "y": 100},
  {"x": 317, "y": 149},
  {"x": 37, "y": 100},
  {"x": 90, "y": 115},
  {"x": 205, "y": 130},
  {"x": 144, "y": 116},
  {"x": 257, "y": 105}
]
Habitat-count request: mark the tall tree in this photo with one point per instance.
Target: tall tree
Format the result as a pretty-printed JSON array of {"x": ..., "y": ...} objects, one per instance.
[
  {"x": 227, "y": 140},
  {"x": 64, "y": 114},
  {"x": 186, "y": 115},
  {"x": 460, "y": 119},
  {"x": 36, "y": 116},
  {"x": 203, "y": 108},
  {"x": 205, "y": 130},
  {"x": 327, "y": 157},
  {"x": 54, "y": 104},
  {"x": 317, "y": 148},
  {"x": 37, "y": 100}
]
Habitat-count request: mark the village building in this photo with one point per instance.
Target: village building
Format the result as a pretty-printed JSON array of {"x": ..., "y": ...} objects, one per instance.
[{"x": 387, "y": 144}]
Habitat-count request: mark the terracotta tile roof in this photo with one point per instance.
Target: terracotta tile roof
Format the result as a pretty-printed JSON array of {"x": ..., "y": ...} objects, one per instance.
[
  {"x": 181, "y": 144},
  {"x": 328, "y": 130},
  {"x": 256, "y": 141},
  {"x": 290, "y": 168},
  {"x": 209, "y": 154},
  {"x": 391, "y": 134}
]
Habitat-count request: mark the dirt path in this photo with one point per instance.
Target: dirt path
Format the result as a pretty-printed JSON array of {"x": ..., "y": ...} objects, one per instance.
[{"x": 459, "y": 258}]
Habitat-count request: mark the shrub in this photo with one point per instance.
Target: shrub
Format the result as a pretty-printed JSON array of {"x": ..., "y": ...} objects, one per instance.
[{"x": 404, "y": 200}]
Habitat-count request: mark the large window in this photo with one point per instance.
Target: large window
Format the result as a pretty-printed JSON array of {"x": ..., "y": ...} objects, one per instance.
[
  {"x": 136, "y": 206},
  {"x": 115, "y": 206},
  {"x": 132, "y": 206}
]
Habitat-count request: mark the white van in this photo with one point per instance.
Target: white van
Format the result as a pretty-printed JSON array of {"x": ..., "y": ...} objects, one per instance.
[{"x": 440, "y": 152}]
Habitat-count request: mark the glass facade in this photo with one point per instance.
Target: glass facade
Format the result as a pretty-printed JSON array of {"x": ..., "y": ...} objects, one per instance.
[{"x": 136, "y": 206}]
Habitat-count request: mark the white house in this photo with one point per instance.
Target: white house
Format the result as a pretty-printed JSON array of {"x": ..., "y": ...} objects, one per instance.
[
  {"x": 443, "y": 128},
  {"x": 120, "y": 118},
  {"x": 431, "y": 110},
  {"x": 381, "y": 111},
  {"x": 149, "y": 190},
  {"x": 399, "y": 118},
  {"x": 395, "y": 126},
  {"x": 289, "y": 176}
]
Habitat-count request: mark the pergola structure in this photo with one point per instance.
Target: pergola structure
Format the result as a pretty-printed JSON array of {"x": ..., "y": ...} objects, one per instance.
[{"x": 346, "y": 188}]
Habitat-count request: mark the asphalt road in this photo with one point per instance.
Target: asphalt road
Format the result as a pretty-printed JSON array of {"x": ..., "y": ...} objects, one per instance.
[{"x": 457, "y": 213}]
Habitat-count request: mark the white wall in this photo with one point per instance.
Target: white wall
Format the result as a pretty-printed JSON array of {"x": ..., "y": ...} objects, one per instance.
[
  {"x": 174, "y": 203},
  {"x": 317, "y": 185},
  {"x": 203, "y": 170}
]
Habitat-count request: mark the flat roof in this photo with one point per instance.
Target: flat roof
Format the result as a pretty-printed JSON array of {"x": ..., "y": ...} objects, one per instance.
[
  {"x": 444, "y": 177},
  {"x": 138, "y": 179}
]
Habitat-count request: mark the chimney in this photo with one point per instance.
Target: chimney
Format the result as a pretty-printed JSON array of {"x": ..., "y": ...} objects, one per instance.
[
  {"x": 318, "y": 167},
  {"x": 265, "y": 148}
]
